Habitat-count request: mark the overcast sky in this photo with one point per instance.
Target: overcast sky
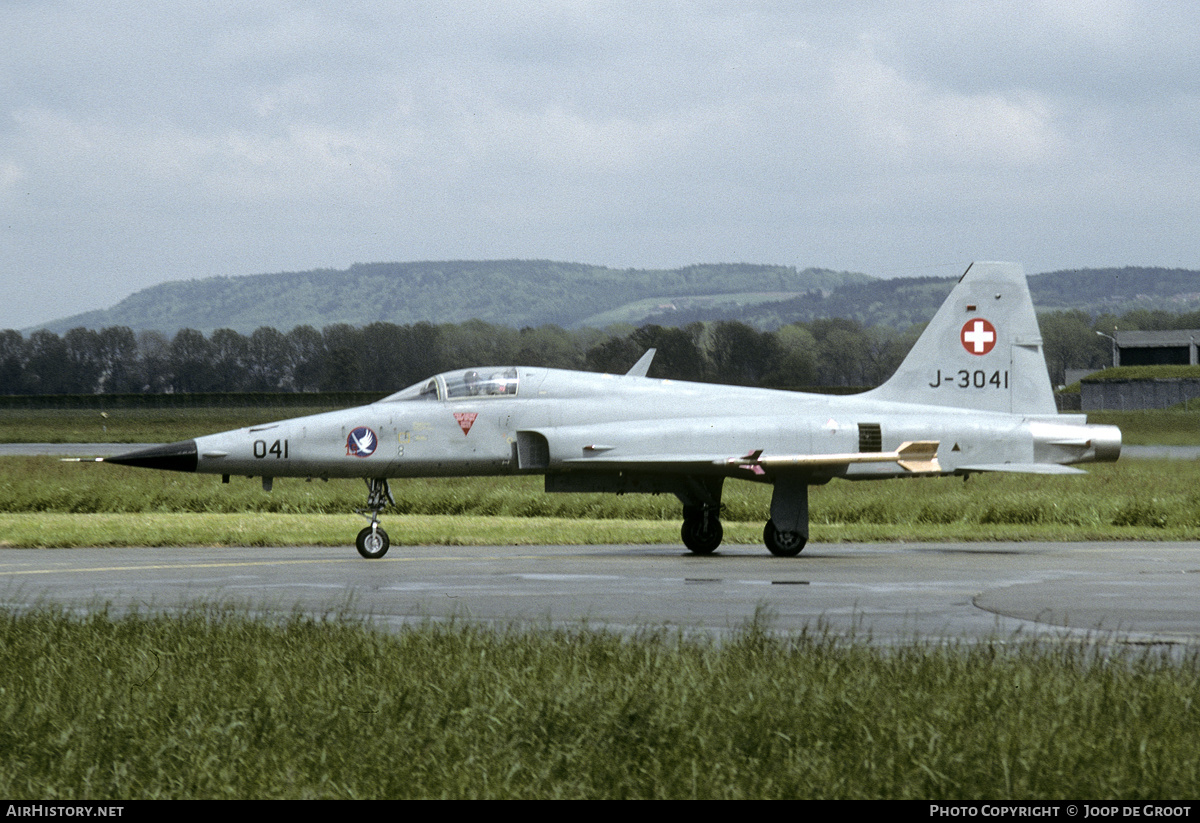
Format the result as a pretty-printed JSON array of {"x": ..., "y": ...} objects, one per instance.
[{"x": 142, "y": 142}]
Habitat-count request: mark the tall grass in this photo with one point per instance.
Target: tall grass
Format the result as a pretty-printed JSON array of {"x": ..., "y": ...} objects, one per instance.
[
  {"x": 215, "y": 705},
  {"x": 133, "y": 425},
  {"x": 241, "y": 530},
  {"x": 1155, "y": 427},
  {"x": 1162, "y": 495}
]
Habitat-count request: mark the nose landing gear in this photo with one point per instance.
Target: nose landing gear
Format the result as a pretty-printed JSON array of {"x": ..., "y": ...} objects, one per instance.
[{"x": 372, "y": 542}]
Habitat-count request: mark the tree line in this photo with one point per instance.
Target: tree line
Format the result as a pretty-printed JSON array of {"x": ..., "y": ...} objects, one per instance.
[{"x": 385, "y": 357}]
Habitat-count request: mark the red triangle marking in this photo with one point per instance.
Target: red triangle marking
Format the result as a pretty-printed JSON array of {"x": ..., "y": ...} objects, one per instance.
[{"x": 465, "y": 421}]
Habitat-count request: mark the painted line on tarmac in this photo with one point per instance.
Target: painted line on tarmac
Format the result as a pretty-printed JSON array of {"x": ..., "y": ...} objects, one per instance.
[{"x": 246, "y": 563}]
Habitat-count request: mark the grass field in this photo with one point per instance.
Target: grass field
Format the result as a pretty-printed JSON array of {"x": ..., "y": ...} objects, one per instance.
[
  {"x": 1165, "y": 427},
  {"x": 45, "y": 503},
  {"x": 1129, "y": 500},
  {"x": 132, "y": 425},
  {"x": 215, "y": 705}
]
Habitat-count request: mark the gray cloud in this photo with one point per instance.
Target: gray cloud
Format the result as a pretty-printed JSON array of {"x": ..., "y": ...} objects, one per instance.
[{"x": 140, "y": 143}]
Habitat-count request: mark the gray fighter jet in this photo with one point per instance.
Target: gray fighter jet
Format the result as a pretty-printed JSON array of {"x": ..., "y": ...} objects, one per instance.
[{"x": 973, "y": 395}]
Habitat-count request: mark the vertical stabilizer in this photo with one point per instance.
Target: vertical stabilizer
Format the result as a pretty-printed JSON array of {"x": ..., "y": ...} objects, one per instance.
[{"x": 982, "y": 350}]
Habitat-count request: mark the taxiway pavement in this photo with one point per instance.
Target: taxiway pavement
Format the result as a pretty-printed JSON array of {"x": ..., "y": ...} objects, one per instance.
[{"x": 890, "y": 592}]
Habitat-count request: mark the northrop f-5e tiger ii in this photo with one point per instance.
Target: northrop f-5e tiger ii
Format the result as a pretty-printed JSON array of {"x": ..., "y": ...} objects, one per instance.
[{"x": 973, "y": 395}]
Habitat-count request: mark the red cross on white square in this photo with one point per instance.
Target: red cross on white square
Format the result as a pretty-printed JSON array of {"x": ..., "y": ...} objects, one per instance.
[{"x": 978, "y": 336}]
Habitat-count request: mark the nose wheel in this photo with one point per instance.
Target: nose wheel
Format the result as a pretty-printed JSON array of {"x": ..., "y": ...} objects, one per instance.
[{"x": 372, "y": 542}]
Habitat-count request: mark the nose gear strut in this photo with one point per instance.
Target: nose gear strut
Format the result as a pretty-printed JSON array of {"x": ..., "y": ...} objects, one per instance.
[{"x": 372, "y": 542}]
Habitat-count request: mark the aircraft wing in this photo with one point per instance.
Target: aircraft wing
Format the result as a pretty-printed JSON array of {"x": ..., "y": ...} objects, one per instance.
[
  {"x": 661, "y": 462},
  {"x": 1021, "y": 468},
  {"x": 915, "y": 456}
]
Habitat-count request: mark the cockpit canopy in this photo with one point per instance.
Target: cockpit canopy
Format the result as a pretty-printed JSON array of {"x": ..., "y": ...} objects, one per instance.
[{"x": 500, "y": 381}]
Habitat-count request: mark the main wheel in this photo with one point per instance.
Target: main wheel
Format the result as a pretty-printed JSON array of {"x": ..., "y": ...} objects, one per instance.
[
  {"x": 372, "y": 543},
  {"x": 783, "y": 544},
  {"x": 698, "y": 538}
]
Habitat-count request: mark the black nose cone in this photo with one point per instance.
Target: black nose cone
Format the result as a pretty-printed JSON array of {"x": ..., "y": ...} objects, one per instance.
[{"x": 177, "y": 457}]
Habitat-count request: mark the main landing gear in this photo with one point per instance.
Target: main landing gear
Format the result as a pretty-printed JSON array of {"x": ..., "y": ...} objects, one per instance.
[
  {"x": 787, "y": 531},
  {"x": 701, "y": 499},
  {"x": 702, "y": 531},
  {"x": 702, "y": 534},
  {"x": 784, "y": 535},
  {"x": 372, "y": 542},
  {"x": 783, "y": 544}
]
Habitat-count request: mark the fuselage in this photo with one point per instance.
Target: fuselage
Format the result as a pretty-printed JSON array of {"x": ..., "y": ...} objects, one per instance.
[{"x": 547, "y": 421}]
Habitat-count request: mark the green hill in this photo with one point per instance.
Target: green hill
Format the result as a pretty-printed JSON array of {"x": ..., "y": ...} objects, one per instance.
[
  {"x": 901, "y": 302},
  {"x": 514, "y": 293},
  {"x": 519, "y": 293}
]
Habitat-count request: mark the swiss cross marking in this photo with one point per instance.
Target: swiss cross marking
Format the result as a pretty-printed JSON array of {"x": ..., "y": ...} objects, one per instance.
[
  {"x": 978, "y": 336},
  {"x": 465, "y": 421}
]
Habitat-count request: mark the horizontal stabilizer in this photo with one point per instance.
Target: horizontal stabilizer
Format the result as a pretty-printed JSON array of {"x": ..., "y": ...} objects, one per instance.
[{"x": 913, "y": 455}]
